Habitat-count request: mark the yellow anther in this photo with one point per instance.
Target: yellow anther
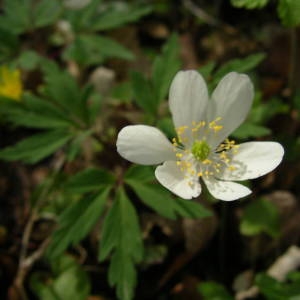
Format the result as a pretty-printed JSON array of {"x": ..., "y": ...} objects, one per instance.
[
  {"x": 207, "y": 162},
  {"x": 199, "y": 174},
  {"x": 178, "y": 163},
  {"x": 217, "y": 128},
  {"x": 231, "y": 168},
  {"x": 179, "y": 155}
]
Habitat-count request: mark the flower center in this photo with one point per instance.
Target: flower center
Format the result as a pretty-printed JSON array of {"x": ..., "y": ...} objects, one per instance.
[
  {"x": 195, "y": 157},
  {"x": 200, "y": 150}
]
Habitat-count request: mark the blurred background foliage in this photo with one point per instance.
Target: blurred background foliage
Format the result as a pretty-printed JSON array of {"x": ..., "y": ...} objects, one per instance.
[{"x": 76, "y": 220}]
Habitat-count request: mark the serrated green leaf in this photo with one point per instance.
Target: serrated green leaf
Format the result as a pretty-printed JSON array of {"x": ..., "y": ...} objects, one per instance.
[
  {"x": 121, "y": 236},
  {"x": 89, "y": 180},
  {"x": 17, "y": 16},
  {"x": 155, "y": 197},
  {"x": 36, "y": 147},
  {"x": 83, "y": 18},
  {"x": 34, "y": 112},
  {"x": 239, "y": 65},
  {"x": 46, "y": 12},
  {"x": 190, "y": 209},
  {"x": 89, "y": 49},
  {"x": 122, "y": 273},
  {"x": 248, "y": 129},
  {"x": 143, "y": 93},
  {"x": 164, "y": 203},
  {"x": 165, "y": 67},
  {"x": 76, "y": 222},
  {"x": 62, "y": 88},
  {"x": 250, "y": 4},
  {"x": 139, "y": 173},
  {"x": 114, "y": 16},
  {"x": 260, "y": 216},
  {"x": 289, "y": 12}
]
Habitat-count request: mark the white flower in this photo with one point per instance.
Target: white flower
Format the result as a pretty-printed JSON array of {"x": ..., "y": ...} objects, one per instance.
[{"x": 201, "y": 149}]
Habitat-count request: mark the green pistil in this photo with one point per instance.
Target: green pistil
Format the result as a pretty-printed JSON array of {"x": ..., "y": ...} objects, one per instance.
[{"x": 200, "y": 150}]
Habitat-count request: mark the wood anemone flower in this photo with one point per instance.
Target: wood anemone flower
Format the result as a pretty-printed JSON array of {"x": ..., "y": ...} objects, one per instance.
[{"x": 202, "y": 152}]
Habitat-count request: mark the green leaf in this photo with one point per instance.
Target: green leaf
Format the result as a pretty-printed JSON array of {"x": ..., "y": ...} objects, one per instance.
[
  {"x": 163, "y": 202},
  {"x": 82, "y": 19},
  {"x": 166, "y": 125},
  {"x": 165, "y": 67},
  {"x": 207, "y": 70},
  {"x": 250, "y": 4},
  {"x": 275, "y": 290},
  {"x": 272, "y": 289},
  {"x": 214, "y": 291},
  {"x": 69, "y": 282},
  {"x": 34, "y": 112},
  {"x": 28, "y": 60},
  {"x": 260, "y": 216},
  {"x": 89, "y": 49},
  {"x": 115, "y": 15},
  {"x": 121, "y": 236},
  {"x": 89, "y": 180},
  {"x": 248, "y": 129},
  {"x": 76, "y": 222},
  {"x": 36, "y": 147},
  {"x": 46, "y": 12},
  {"x": 190, "y": 209},
  {"x": 9, "y": 44},
  {"x": 139, "y": 173},
  {"x": 143, "y": 93},
  {"x": 17, "y": 16},
  {"x": 289, "y": 12},
  {"x": 155, "y": 197},
  {"x": 262, "y": 112},
  {"x": 239, "y": 65},
  {"x": 62, "y": 88}
]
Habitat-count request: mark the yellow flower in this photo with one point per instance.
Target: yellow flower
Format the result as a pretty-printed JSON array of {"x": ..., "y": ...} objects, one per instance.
[{"x": 10, "y": 83}]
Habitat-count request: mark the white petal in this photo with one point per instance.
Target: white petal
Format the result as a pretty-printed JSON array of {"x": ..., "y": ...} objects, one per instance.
[
  {"x": 226, "y": 190},
  {"x": 254, "y": 159},
  {"x": 172, "y": 178},
  {"x": 188, "y": 98},
  {"x": 145, "y": 145},
  {"x": 231, "y": 101}
]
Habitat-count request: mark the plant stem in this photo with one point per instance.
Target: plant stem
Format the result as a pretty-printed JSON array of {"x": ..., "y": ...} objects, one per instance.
[{"x": 27, "y": 261}]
